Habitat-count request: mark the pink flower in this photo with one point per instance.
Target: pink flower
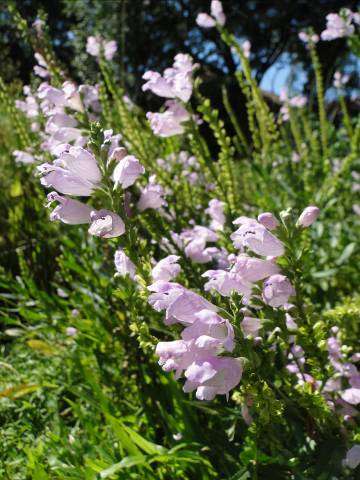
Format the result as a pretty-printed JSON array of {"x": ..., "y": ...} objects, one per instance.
[
  {"x": 199, "y": 231},
  {"x": 106, "y": 224},
  {"x": 157, "y": 84},
  {"x": 110, "y": 48},
  {"x": 340, "y": 80},
  {"x": 124, "y": 266},
  {"x": 170, "y": 122},
  {"x": 195, "y": 244},
  {"x": 38, "y": 24},
  {"x": 217, "y": 16},
  {"x": 306, "y": 38},
  {"x": 256, "y": 237},
  {"x": 42, "y": 68},
  {"x": 213, "y": 376},
  {"x": 127, "y": 171},
  {"x": 253, "y": 269},
  {"x": 246, "y": 48},
  {"x": 23, "y": 157},
  {"x": 250, "y": 326},
  {"x": 71, "y": 331},
  {"x": 216, "y": 212},
  {"x": 176, "y": 355},
  {"x": 226, "y": 283},
  {"x": 184, "y": 307},
  {"x": 69, "y": 211},
  {"x": 268, "y": 220},
  {"x": 59, "y": 120},
  {"x": 277, "y": 290},
  {"x": 205, "y": 21},
  {"x": 151, "y": 196},
  {"x": 30, "y": 107},
  {"x": 210, "y": 331},
  {"x": 217, "y": 12},
  {"x": 93, "y": 46},
  {"x": 298, "y": 101},
  {"x": 176, "y": 82},
  {"x": 338, "y": 26},
  {"x": 90, "y": 97},
  {"x": 75, "y": 172},
  {"x": 352, "y": 459},
  {"x": 97, "y": 45},
  {"x": 290, "y": 322},
  {"x": 197, "y": 251},
  {"x": 308, "y": 216},
  {"x": 246, "y": 414},
  {"x": 72, "y": 96},
  {"x": 164, "y": 294},
  {"x": 166, "y": 269},
  {"x": 351, "y": 395}
]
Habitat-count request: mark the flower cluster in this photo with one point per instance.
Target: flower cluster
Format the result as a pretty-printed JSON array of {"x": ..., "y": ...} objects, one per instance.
[
  {"x": 307, "y": 38},
  {"x": 205, "y": 337},
  {"x": 246, "y": 270},
  {"x": 340, "y": 25},
  {"x": 175, "y": 84},
  {"x": 75, "y": 171},
  {"x": 97, "y": 46},
  {"x": 182, "y": 166},
  {"x": 342, "y": 388},
  {"x": 217, "y": 16},
  {"x": 298, "y": 101},
  {"x": 340, "y": 80}
]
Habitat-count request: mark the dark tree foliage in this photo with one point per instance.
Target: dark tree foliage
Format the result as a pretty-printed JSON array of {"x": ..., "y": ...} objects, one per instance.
[{"x": 151, "y": 32}]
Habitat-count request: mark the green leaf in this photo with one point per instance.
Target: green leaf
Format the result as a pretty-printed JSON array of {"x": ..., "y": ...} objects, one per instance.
[
  {"x": 348, "y": 250},
  {"x": 122, "y": 435},
  {"x": 325, "y": 273},
  {"x": 126, "y": 462},
  {"x": 145, "y": 445}
]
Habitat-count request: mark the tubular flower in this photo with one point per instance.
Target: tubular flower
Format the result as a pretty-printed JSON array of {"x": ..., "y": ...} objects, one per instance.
[
  {"x": 96, "y": 45},
  {"x": 216, "y": 212},
  {"x": 277, "y": 290},
  {"x": 217, "y": 16},
  {"x": 176, "y": 82},
  {"x": 253, "y": 269},
  {"x": 166, "y": 269},
  {"x": 226, "y": 283},
  {"x": 151, "y": 196},
  {"x": 268, "y": 220},
  {"x": 256, "y": 237},
  {"x": 127, "y": 170},
  {"x": 75, "y": 172},
  {"x": 339, "y": 26},
  {"x": 213, "y": 376},
  {"x": 171, "y": 121},
  {"x": 250, "y": 326},
  {"x": 106, "y": 224},
  {"x": 23, "y": 157},
  {"x": 68, "y": 210},
  {"x": 210, "y": 330},
  {"x": 124, "y": 266},
  {"x": 185, "y": 306}
]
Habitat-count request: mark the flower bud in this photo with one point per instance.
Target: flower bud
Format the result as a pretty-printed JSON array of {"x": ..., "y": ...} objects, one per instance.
[
  {"x": 71, "y": 331},
  {"x": 277, "y": 290},
  {"x": 308, "y": 216}
]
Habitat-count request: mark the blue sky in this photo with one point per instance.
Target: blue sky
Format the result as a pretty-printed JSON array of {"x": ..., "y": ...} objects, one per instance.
[{"x": 282, "y": 72}]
